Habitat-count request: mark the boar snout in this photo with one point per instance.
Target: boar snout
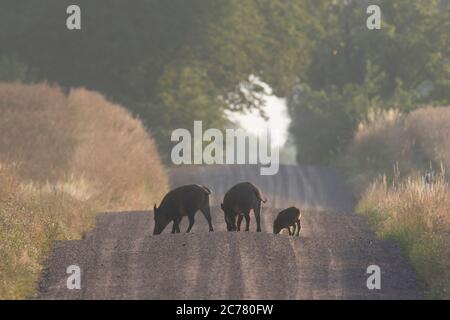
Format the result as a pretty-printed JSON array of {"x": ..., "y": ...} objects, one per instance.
[
  {"x": 157, "y": 231},
  {"x": 160, "y": 219}
]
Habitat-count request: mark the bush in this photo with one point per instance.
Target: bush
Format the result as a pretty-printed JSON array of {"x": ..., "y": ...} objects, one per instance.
[
  {"x": 115, "y": 153},
  {"x": 62, "y": 159},
  {"x": 12, "y": 69},
  {"x": 36, "y": 130},
  {"x": 417, "y": 141}
]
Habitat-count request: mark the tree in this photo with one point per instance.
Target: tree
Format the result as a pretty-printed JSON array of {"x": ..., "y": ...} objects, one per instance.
[
  {"x": 168, "y": 61},
  {"x": 354, "y": 70}
]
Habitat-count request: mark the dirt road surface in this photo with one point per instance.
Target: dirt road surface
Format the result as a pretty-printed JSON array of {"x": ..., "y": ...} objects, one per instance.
[{"x": 121, "y": 259}]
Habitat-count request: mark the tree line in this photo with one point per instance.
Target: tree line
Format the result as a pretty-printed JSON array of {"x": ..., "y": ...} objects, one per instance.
[{"x": 173, "y": 62}]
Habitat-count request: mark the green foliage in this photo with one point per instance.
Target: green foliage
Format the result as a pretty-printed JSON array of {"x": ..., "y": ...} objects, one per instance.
[
  {"x": 169, "y": 61},
  {"x": 354, "y": 70},
  {"x": 323, "y": 120},
  {"x": 186, "y": 95},
  {"x": 264, "y": 39},
  {"x": 13, "y": 70},
  {"x": 174, "y": 61}
]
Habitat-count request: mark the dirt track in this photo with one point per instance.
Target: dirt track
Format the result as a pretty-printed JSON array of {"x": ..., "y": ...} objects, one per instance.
[{"x": 120, "y": 259}]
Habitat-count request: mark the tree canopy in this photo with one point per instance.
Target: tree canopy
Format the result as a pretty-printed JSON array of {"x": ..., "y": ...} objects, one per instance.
[
  {"x": 172, "y": 62},
  {"x": 169, "y": 61},
  {"x": 403, "y": 65}
]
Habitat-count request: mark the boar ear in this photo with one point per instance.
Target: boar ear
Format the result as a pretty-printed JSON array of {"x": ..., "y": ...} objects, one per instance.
[{"x": 154, "y": 208}]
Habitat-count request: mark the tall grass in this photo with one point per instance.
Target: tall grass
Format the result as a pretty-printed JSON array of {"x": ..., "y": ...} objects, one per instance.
[
  {"x": 63, "y": 158},
  {"x": 419, "y": 219},
  {"x": 398, "y": 205},
  {"x": 31, "y": 218}
]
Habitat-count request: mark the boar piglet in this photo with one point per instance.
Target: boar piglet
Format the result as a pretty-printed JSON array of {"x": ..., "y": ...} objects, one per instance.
[{"x": 286, "y": 219}]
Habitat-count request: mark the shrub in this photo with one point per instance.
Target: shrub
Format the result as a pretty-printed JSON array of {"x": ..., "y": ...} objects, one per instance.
[
  {"x": 417, "y": 141},
  {"x": 62, "y": 159},
  {"x": 35, "y": 130},
  {"x": 115, "y": 153}
]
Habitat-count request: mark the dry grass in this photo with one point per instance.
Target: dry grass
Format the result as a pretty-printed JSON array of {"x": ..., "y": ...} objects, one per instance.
[
  {"x": 417, "y": 141},
  {"x": 397, "y": 204},
  {"x": 429, "y": 131},
  {"x": 115, "y": 152},
  {"x": 419, "y": 220},
  {"x": 35, "y": 130},
  {"x": 31, "y": 218},
  {"x": 63, "y": 159}
]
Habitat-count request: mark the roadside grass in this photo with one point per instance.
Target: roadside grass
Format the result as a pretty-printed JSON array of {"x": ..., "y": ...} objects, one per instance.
[
  {"x": 62, "y": 160},
  {"x": 419, "y": 220},
  {"x": 31, "y": 219},
  {"x": 395, "y": 202}
]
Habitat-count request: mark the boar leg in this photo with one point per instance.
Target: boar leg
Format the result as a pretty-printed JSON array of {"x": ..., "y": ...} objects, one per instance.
[
  {"x": 191, "y": 222},
  {"x": 298, "y": 227},
  {"x": 174, "y": 229},
  {"x": 289, "y": 230},
  {"x": 207, "y": 213},
  {"x": 176, "y": 225},
  {"x": 239, "y": 221},
  {"x": 247, "y": 221},
  {"x": 257, "y": 212}
]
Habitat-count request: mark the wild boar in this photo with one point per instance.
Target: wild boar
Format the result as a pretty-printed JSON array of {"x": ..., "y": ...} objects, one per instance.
[
  {"x": 180, "y": 202},
  {"x": 286, "y": 219},
  {"x": 238, "y": 202}
]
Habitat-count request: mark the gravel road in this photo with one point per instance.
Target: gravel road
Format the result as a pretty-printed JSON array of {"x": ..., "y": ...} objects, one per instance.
[{"x": 121, "y": 259}]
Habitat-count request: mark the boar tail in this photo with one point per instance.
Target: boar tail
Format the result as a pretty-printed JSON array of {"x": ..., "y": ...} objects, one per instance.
[
  {"x": 259, "y": 196},
  {"x": 208, "y": 191}
]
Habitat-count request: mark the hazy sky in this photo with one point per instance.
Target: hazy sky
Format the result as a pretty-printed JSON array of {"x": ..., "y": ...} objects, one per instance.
[{"x": 278, "y": 121}]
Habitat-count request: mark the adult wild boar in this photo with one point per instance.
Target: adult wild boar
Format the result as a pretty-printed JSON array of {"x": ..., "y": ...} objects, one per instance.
[
  {"x": 286, "y": 219},
  {"x": 238, "y": 202},
  {"x": 180, "y": 202}
]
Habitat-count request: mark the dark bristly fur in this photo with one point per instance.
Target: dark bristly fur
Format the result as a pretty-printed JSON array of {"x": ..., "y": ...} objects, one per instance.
[
  {"x": 238, "y": 202},
  {"x": 180, "y": 202},
  {"x": 286, "y": 219}
]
